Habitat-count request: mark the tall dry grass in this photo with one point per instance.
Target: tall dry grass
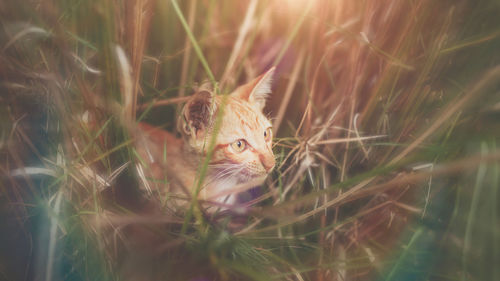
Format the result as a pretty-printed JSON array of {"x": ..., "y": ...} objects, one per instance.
[{"x": 386, "y": 115}]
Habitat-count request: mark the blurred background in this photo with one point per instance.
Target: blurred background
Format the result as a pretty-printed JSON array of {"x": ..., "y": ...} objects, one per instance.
[{"x": 386, "y": 117}]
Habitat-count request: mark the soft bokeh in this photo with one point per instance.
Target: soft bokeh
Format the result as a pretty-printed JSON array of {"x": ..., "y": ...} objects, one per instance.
[{"x": 386, "y": 117}]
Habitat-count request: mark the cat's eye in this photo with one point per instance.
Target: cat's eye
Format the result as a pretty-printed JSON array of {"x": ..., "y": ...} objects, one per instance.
[
  {"x": 239, "y": 145},
  {"x": 268, "y": 134}
]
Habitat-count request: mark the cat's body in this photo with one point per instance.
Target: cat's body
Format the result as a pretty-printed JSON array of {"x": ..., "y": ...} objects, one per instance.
[{"x": 242, "y": 154}]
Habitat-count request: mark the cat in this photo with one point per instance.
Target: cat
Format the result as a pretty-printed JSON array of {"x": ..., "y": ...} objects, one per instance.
[{"x": 242, "y": 153}]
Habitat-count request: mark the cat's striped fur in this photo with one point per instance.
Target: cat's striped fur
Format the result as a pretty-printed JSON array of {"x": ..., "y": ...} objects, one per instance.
[{"x": 243, "y": 151}]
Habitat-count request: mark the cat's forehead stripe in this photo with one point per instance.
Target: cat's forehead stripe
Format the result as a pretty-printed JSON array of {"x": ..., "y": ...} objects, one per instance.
[{"x": 245, "y": 113}]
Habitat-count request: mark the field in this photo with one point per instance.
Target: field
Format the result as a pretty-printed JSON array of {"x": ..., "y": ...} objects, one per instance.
[{"x": 386, "y": 120}]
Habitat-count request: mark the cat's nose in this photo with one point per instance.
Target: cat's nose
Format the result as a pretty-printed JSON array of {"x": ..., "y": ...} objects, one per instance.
[{"x": 268, "y": 162}]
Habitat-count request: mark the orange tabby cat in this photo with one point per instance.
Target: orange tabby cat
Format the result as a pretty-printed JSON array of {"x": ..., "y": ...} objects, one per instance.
[{"x": 243, "y": 151}]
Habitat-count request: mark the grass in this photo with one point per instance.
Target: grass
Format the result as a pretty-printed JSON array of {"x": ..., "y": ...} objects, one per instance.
[{"x": 386, "y": 117}]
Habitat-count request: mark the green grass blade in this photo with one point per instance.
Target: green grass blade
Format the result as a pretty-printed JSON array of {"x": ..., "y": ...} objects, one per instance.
[{"x": 196, "y": 46}]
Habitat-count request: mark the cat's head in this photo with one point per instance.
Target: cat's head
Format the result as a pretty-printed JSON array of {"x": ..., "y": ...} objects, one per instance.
[{"x": 244, "y": 140}]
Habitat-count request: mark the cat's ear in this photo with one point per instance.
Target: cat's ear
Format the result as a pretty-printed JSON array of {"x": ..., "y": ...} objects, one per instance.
[
  {"x": 198, "y": 113},
  {"x": 257, "y": 90}
]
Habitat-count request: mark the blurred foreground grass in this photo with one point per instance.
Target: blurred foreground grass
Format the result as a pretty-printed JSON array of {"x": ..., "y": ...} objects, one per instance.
[{"x": 387, "y": 122}]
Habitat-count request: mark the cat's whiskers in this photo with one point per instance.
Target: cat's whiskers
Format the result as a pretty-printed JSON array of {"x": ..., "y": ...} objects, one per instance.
[
  {"x": 228, "y": 170},
  {"x": 223, "y": 175}
]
